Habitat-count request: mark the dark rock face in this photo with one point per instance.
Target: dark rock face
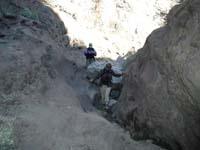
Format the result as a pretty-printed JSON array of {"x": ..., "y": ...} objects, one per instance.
[
  {"x": 33, "y": 25},
  {"x": 31, "y": 49},
  {"x": 161, "y": 95}
]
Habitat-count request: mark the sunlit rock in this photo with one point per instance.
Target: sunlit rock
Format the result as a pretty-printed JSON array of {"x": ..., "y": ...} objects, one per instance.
[{"x": 115, "y": 26}]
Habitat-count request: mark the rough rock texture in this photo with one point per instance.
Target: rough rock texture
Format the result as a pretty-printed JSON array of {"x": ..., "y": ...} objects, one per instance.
[
  {"x": 160, "y": 99},
  {"x": 39, "y": 109},
  {"x": 115, "y": 26}
]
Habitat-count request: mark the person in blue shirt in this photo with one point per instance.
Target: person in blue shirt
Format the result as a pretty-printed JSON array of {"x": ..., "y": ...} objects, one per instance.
[{"x": 90, "y": 54}]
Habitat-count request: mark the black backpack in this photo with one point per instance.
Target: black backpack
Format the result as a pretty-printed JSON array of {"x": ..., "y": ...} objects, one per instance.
[{"x": 106, "y": 76}]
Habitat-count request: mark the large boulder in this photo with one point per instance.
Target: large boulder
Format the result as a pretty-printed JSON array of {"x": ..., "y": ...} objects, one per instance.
[{"x": 160, "y": 99}]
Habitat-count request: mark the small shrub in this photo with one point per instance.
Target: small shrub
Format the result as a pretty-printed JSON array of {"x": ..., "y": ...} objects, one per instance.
[
  {"x": 26, "y": 12},
  {"x": 8, "y": 11},
  {"x": 6, "y": 131}
]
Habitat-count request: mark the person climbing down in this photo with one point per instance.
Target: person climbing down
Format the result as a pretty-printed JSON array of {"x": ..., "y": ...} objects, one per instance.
[
  {"x": 90, "y": 54},
  {"x": 105, "y": 76}
]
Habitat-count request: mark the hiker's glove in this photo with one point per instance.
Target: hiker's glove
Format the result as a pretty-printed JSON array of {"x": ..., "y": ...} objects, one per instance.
[
  {"x": 92, "y": 80},
  {"x": 124, "y": 74}
]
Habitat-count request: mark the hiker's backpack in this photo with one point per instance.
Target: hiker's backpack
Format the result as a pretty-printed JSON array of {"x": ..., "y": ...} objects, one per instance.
[{"x": 106, "y": 76}]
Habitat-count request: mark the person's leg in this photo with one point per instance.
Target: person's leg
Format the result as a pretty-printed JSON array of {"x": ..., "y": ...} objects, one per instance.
[
  {"x": 107, "y": 95},
  {"x": 92, "y": 60},
  {"x": 103, "y": 91},
  {"x": 87, "y": 63}
]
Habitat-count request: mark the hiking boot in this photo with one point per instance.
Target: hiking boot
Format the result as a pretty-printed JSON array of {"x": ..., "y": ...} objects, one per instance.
[{"x": 106, "y": 107}]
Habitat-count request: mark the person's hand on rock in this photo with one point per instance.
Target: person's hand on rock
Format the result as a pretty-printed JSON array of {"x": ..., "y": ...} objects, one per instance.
[
  {"x": 91, "y": 80},
  {"x": 124, "y": 74}
]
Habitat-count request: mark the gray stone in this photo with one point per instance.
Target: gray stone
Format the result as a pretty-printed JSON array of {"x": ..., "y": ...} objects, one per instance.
[
  {"x": 160, "y": 98},
  {"x": 112, "y": 102}
]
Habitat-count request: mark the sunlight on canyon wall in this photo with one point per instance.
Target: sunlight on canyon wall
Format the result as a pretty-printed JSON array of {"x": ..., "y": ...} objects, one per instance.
[{"x": 115, "y": 26}]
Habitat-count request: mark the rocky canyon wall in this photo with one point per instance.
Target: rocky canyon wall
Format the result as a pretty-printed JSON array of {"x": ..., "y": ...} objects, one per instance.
[
  {"x": 115, "y": 26},
  {"x": 160, "y": 99}
]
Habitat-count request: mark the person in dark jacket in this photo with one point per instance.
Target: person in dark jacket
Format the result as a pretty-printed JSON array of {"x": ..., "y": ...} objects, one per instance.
[
  {"x": 105, "y": 76},
  {"x": 90, "y": 54}
]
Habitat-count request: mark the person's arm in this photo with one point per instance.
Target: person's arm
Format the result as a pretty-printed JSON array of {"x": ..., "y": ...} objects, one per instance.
[
  {"x": 116, "y": 74},
  {"x": 85, "y": 52},
  {"x": 95, "y": 53},
  {"x": 98, "y": 76}
]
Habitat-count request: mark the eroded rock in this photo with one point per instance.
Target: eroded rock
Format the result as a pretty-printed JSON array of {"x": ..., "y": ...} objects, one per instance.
[{"x": 160, "y": 99}]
